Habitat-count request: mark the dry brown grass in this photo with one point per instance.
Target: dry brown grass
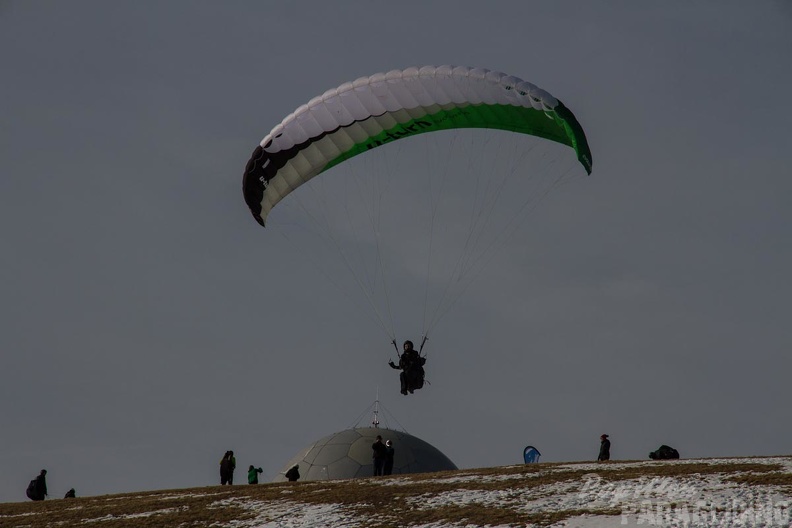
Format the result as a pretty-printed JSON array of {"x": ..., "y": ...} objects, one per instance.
[
  {"x": 670, "y": 469},
  {"x": 763, "y": 479},
  {"x": 402, "y": 502}
]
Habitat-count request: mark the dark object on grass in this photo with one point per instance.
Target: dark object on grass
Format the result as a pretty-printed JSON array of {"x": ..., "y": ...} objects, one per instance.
[{"x": 664, "y": 452}]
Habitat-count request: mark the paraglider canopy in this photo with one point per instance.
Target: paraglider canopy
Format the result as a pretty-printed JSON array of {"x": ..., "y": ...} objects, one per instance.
[{"x": 382, "y": 108}]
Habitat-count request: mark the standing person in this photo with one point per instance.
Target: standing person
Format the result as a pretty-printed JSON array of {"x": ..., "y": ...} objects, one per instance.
[
  {"x": 253, "y": 474},
  {"x": 233, "y": 467},
  {"x": 37, "y": 489},
  {"x": 604, "y": 452},
  {"x": 224, "y": 466},
  {"x": 294, "y": 473},
  {"x": 379, "y": 455},
  {"x": 389, "y": 452},
  {"x": 227, "y": 466}
]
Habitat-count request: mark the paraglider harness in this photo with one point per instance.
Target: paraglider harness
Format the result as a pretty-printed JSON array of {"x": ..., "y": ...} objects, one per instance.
[{"x": 414, "y": 372}]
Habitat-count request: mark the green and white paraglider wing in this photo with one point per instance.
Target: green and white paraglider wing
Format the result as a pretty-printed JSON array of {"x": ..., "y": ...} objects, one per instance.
[{"x": 376, "y": 110}]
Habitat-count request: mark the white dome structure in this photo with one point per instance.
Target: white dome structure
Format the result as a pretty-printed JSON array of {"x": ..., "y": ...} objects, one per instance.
[{"x": 348, "y": 454}]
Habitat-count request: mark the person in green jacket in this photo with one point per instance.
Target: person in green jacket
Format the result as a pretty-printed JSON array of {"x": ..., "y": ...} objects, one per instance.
[{"x": 253, "y": 473}]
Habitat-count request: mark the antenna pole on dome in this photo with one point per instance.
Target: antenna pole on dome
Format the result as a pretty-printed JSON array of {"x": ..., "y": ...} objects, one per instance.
[{"x": 375, "y": 420}]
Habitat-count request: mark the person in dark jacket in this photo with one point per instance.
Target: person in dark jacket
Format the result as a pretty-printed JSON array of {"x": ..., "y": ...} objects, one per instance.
[
  {"x": 412, "y": 370},
  {"x": 604, "y": 452},
  {"x": 71, "y": 494},
  {"x": 294, "y": 473},
  {"x": 253, "y": 473},
  {"x": 379, "y": 455},
  {"x": 227, "y": 467},
  {"x": 387, "y": 469},
  {"x": 40, "y": 487}
]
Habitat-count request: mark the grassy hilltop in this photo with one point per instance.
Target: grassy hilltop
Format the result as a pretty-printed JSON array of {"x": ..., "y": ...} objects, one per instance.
[{"x": 561, "y": 494}]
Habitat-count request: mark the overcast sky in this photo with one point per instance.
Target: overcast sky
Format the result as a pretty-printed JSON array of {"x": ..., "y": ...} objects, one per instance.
[{"x": 149, "y": 324}]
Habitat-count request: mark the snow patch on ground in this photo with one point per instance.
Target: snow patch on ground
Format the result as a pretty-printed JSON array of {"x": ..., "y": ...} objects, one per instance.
[{"x": 287, "y": 514}]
